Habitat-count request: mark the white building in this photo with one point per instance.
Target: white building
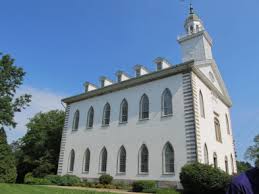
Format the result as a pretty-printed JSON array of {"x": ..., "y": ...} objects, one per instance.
[{"x": 149, "y": 126}]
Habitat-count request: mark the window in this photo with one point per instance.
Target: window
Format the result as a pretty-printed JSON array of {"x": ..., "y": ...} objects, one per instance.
[
  {"x": 119, "y": 78},
  {"x": 87, "y": 160},
  {"x": 144, "y": 107},
  {"x": 167, "y": 103},
  {"x": 137, "y": 72},
  {"x": 143, "y": 160},
  {"x": 217, "y": 130},
  {"x": 202, "y": 109},
  {"x": 124, "y": 111},
  {"x": 232, "y": 164},
  {"x": 71, "y": 161},
  {"x": 226, "y": 164},
  {"x": 168, "y": 159},
  {"x": 206, "y": 155},
  {"x": 227, "y": 124},
  {"x": 215, "y": 160},
  {"x": 90, "y": 118},
  {"x": 75, "y": 121},
  {"x": 106, "y": 114},
  {"x": 103, "y": 160},
  {"x": 122, "y": 160}
]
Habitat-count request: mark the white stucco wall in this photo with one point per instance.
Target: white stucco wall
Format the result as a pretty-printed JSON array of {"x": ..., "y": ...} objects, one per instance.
[
  {"x": 207, "y": 129},
  {"x": 155, "y": 132}
]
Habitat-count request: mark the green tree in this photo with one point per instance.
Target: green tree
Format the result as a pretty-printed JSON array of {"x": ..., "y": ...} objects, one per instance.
[
  {"x": 7, "y": 160},
  {"x": 38, "y": 150},
  {"x": 243, "y": 166},
  {"x": 252, "y": 153},
  {"x": 11, "y": 77}
]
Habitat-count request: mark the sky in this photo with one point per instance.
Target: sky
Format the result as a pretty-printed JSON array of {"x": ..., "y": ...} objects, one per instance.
[{"x": 63, "y": 43}]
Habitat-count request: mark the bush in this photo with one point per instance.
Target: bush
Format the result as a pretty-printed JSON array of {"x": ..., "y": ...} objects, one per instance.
[
  {"x": 54, "y": 179},
  {"x": 99, "y": 186},
  {"x": 29, "y": 179},
  {"x": 166, "y": 191},
  {"x": 69, "y": 180},
  {"x": 140, "y": 186},
  {"x": 105, "y": 179},
  {"x": 109, "y": 186},
  {"x": 200, "y": 179}
]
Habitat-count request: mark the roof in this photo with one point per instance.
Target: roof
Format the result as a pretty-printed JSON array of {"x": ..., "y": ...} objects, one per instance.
[{"x": 174, "y": 70}]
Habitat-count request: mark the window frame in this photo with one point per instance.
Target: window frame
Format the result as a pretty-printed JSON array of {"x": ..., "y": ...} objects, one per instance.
[
  {"x": 91, "y": 110},
  {"x": 104, "y": 119},
  {"x": 170, "y": 113},
  {"x": 141, "y": 160},
  {"x": 76, "y": 119},
  {"x": 87, "y": 153},
  {"x": 165, "y": 159},
  {"x": 215, "y": 160},
  {"x": 124, "y": 103},
  {"x": 217, "y": 130},
  {"x": 141, "y": 107},
  {"x": 202, "y": 106},
  {"x": 71, "y": 167},
  {"x": 206, "y": 154},
  {"x": 101, "y": 160},
  {"x": 119, "y": 161}
]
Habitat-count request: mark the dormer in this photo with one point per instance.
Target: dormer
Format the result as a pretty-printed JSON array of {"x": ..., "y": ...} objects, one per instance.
[
  {"x": 89, "y": 87},
  {"x": 104, "y": 81},
  {"x": 140, "y": 70},
  {"x": 161, "y": 63},
  {"x": 122, "y": 76}
]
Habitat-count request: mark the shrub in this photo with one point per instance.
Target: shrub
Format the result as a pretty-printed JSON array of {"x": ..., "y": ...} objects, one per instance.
[
  {"x": 140, "y": 186},
  {"x": 122, "y": 185},
  {"x": 105, "y": 179},
  {"x": 200, "y": 179},
  {"x": 98, "y": 185},
  {"x": 166, "y": 191},
  {"x": 69, "y": 180},
  {"x": 109, "y": 186},
  {"x": 29, "y": 179},
  {"x": 54, "y": 179}
]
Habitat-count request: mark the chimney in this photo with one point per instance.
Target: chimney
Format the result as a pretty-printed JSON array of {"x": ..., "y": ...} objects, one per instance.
[
  {"x": 122, "y": 76},
  {"x": 140, "y": 70},
  {"x": 105, "y": 81},
  {"x": 89, "y": 87},
  {"x": 161, "y": 63}
]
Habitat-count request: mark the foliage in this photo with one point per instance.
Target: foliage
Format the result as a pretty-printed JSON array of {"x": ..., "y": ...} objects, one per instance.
[
  {"x": 105, "y": 179},
  {"x": 38, "y": 150},
  {"x": 54, "y": 179},
  {"x": 29, "y": 189},
  {"x": 252, "y": 153},
  {"x": 29, "y": 179},
  {"x": 140, "y": 186},
  {"x": 11, "y": 77},
  {"x": 166, "y": 191},
  {"x": 243, "y": 166},
  {"x": 201, "y": 179},
  {"x": 69, "y": 180},
  {"x": 7, "y": 160}
]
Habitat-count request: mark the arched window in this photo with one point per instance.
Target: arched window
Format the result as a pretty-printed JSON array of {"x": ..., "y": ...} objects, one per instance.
[
  {"x": 124, "y": 111},
  {"x": 144, "y": 107},
  {"x": 232, "y": 163},
  {"x": 103, "y": 160},
  {"x": 227, "y": 124},
  {"x": 202, "y": 109},
  {"x": 106, "y": 114},
  {"x": 217, "y": 130},
  {"x": 168, "y": 159},
  {"x": 226, "y": 164},
  {"x": 71, "y": 161},
  {"x": 215, "y": 160},
  {"x": 167, "y": 103},
  {"x": 206, "y": 155},
  {"x": 76, "y": 121},
  {"x": 122, "y": 160},
  {"x": 87, "y": 160},
  {"x": 143, "y": 159},
  {"x": 90, "y": 118}
]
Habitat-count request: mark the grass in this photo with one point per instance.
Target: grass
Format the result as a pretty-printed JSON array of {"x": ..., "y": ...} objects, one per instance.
[{"x": 33, "y": 189}]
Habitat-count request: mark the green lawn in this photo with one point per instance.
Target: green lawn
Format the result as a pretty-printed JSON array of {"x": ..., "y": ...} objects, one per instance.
[{"x": 32, "y": 189}]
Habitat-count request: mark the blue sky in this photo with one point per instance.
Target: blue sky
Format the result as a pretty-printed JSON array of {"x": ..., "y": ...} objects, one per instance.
[{"x": 63, "y": 43}]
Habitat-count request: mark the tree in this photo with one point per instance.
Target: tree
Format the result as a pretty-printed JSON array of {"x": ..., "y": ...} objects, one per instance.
[
  {"x": 252, "y": 153},
  {"x": 7, "y": 160},
  {"x": 38, "y": 150},
  {"x": 11, "y": 77},
  {"x": 243, "y": 166}
]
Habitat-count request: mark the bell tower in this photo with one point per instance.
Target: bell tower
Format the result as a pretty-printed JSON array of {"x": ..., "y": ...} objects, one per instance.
[{"x": 196, "y": 44}]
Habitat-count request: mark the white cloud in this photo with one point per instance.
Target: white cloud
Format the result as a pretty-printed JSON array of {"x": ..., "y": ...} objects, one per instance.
[{"x": 43, "y": 100}]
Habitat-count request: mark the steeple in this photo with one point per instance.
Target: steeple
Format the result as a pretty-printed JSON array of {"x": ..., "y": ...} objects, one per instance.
[{"x": 196, "y": 43}]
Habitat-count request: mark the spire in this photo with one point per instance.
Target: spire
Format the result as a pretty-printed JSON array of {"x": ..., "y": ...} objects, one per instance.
[{"x": 191, "y": 9}]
